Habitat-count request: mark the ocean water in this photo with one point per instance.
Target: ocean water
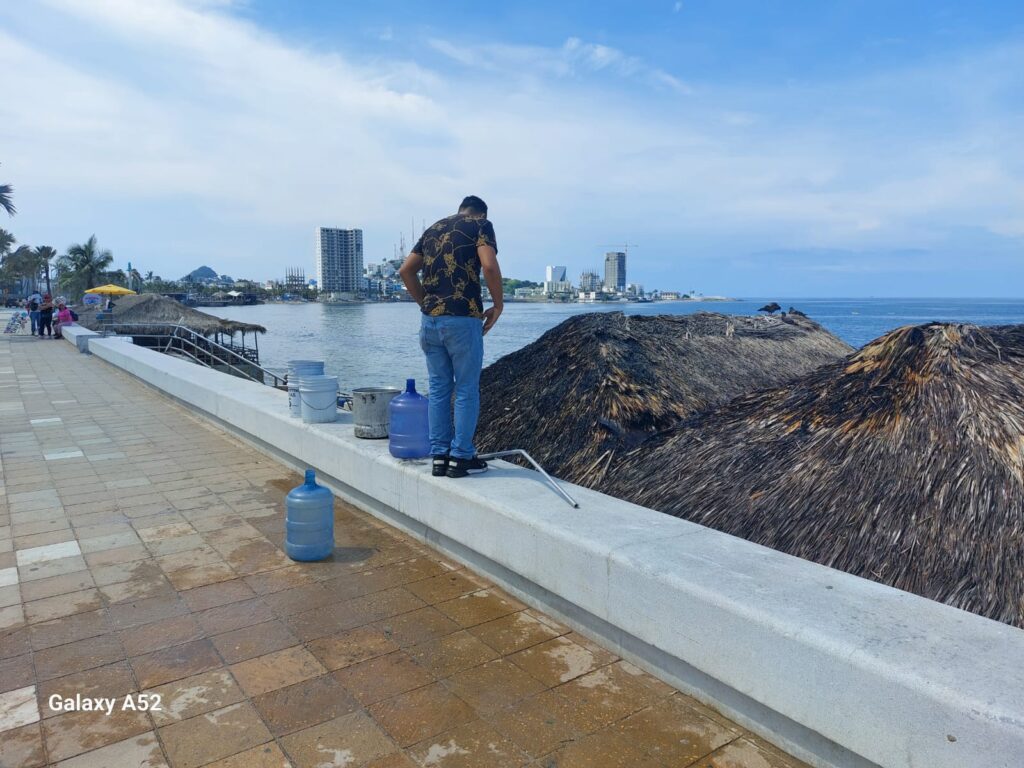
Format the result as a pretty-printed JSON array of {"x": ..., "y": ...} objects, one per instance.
[{"x": 377, "y": 344}]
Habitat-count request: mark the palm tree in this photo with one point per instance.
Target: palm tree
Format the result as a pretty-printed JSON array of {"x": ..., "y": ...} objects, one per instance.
[
  {"x": 82, "y": 265},
  {"x": 6, "y": 241},
  {"x": 44, "y": 254},
  {"x": 5, "y": 199}
]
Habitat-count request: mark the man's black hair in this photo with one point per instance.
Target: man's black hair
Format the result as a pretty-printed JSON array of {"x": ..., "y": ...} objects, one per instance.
[{"x": 473, "y": 204}]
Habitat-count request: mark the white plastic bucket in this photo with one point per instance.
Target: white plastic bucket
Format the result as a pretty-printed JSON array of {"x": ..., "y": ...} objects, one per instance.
[
  {"x": 318, "y": 396},
  {"x": 370, "y": 410},
  {"x": 296, "y": 370}
]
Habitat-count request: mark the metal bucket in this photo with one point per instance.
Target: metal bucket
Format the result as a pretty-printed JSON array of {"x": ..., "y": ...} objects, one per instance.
[{"x": 370, "y": 410}]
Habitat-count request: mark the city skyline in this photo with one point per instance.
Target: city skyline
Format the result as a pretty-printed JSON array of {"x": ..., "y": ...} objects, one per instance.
[{"x": 841, "y": 149}]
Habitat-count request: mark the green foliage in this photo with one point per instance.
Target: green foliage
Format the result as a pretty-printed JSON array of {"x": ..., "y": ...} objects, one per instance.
[
  {"x": 83, "y": 267},
  {"x": 5, "y": 199},
  {"x": 510, "y": 284}
]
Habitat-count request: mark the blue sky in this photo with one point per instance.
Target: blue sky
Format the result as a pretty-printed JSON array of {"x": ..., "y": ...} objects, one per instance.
[{"x": 747, "y": 148}]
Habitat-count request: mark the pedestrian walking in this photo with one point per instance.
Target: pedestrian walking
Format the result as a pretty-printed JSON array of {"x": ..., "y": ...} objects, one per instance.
[
  {"x": 46, "y": 316},
  {"x": 451, "y": 255},
  {"x": 32, "y": 305}
]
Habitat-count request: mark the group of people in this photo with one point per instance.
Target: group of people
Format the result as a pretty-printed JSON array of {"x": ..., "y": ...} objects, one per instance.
[{"x": 47, "y": 316}]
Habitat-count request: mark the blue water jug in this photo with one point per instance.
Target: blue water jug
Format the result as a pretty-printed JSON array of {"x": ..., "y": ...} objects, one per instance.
[
  {"x": 309, "y": 521},
  {"x": 408, "y": 428}
]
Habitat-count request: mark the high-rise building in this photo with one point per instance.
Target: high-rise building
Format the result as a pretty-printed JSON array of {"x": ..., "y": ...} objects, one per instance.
[
  {"x": 615, "y": 272},
  {"x": 339, "y": 261},
  {"x": 554, "y": 275},
  {"x": 295, "y": 280},
  {"x": 590, "y": 281}
]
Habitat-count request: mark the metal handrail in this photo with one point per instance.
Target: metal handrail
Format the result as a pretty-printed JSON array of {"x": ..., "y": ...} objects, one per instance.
[{"x": 189, "y": 336}]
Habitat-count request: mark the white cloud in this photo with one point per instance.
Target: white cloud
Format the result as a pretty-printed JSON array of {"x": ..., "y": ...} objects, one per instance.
[{"x": 248, "y": 141}]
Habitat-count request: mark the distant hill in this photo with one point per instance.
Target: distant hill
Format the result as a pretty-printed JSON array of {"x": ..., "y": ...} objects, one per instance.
[{"x": 200, "y": 274}]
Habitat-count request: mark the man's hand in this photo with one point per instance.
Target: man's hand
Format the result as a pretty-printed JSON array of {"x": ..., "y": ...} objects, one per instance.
[{"x": 491, "y": 317}]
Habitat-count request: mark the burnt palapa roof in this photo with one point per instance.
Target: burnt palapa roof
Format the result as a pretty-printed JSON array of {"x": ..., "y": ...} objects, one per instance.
[
  {"x": 153, "y": 308},
  {"x": 903, "y": 464},
  {"x": 601, "y": 382}
]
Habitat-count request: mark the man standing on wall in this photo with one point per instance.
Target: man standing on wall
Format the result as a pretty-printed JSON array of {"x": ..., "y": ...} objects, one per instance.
[{"x": 451, "y": 254}]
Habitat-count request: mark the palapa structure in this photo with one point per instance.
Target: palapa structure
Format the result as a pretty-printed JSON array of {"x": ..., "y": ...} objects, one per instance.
[
  {"x": 171, "y": 327},
  {"x": 903, "y": 464},
  {"x": 600, "y": 383},
  {"x": 151, "y": 311}
]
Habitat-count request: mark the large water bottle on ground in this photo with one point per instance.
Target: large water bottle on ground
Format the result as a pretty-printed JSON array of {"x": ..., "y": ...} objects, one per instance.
[
  {"x": 408, "y": 430},
  {"x": 309, "y": 521}
]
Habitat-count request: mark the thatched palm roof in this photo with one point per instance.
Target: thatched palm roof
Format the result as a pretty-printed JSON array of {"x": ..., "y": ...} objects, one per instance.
[
  {"x": 903, "y": 464},
  {"x": 599, "y": 383},
  {"x": 154, "y": 308}
]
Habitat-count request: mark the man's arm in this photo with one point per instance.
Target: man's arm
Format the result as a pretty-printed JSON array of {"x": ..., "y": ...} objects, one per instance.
[
  {"x": 492, "y": 276},
  {"x": 409, "y": 272}
]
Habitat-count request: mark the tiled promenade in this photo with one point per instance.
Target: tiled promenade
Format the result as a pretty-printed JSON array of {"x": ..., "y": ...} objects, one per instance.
[{"x": 140, "y": 551}]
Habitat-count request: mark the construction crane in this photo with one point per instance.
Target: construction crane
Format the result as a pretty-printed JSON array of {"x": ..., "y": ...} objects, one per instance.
[{"x": 623, "y": 246}]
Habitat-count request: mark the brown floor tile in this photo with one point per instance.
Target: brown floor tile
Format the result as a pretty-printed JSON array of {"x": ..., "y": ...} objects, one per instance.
[
  {"x": 73, "y": 733},
  {"x": 254, "y": 556},
  {"x": 213, "y": 595},
  {"x": 16, "y": 672},
  {"x": 195, "y": 695},
  {"x": 145, "y": 611},
  {"x": 346, "y": 648},
  {"x": 56, "y": 585},
  {"x": 513, "y": 633},
  {"x": 674, "y": 733},
  {"x": 264, "y": 756},
  {"x": 62, "y": 605},
  {"x": 393, "y": 760},
  {"x": 175, "y": 663},
  {"x": 601, "y": 697},
  {"x": 14, "y": 642},
  {"x": 73, "y": 657},
  {"x": 479, "y": 607},
  {"x": 161, "y": 634},
  {"x": 304, "y": 704},
  {"x": 352, "y": 739},
  {"x": 452, "y": 653},
  {"x": 112, "y": 680},
  {"x": 446, "y": 586},
  {"x": 22, "y": 747},
  {"x": 278, "y": 580},
  {"x": 495, "y": 685},
  {"x": 560, "y": 660},
  {"x": 417, "y": 626},
  {"x": 201, "y": 575},
  {"x": 138, "y": 589},
  {"x": 534, "y": 725},
  {"x": 298, "y": 600},
  {"x": 214, "y": 735},
  {"x": 605, "y": 749},
  {"x": 119, "y": 573},
  {"x": 115, "y": 556},
  {"x": 141, "y": 751},
  {"x": 419, "y": 714},
  {"x": 226, "y": 618},
  {"x": 474, "y": 745},
  {"x": 257, "y": 640},
  {"x": 383, "y": 677},
  {"x": 276, "y": 670},
  {"x": 68, "y": 629},
  {"x": 748, "y": 753}
]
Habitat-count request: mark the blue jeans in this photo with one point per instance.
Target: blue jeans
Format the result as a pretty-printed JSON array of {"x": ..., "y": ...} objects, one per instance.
[
  {"x": 454, "y": 347},
  {"x": 33, "y": 315}
]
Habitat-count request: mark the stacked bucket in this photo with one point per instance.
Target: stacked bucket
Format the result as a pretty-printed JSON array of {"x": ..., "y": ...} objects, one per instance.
[{"x": 312, "y": 396}]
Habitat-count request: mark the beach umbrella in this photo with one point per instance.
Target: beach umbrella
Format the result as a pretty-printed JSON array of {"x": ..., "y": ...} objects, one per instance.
[{"x": 112, "y": 290}]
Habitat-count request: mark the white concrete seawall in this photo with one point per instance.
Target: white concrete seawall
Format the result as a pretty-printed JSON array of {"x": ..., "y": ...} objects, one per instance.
[{"x": 835, "y": 669}]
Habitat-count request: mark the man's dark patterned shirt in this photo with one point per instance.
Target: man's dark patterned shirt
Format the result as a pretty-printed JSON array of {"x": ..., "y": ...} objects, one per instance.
[{"x": 451, "y": 267}]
